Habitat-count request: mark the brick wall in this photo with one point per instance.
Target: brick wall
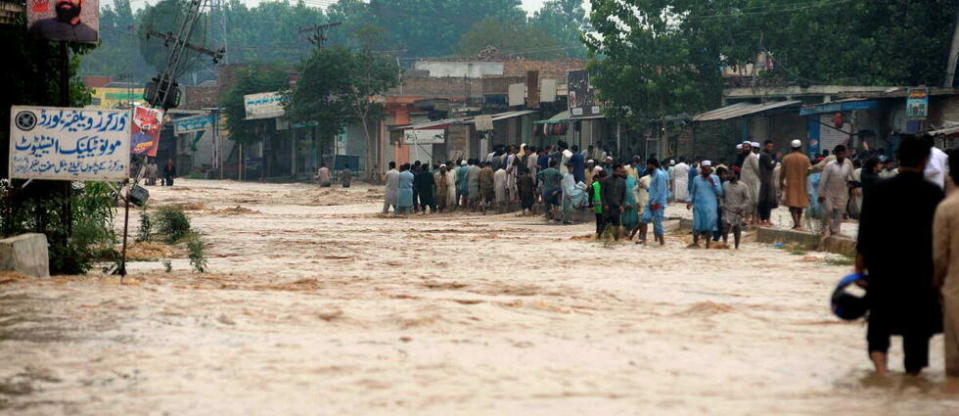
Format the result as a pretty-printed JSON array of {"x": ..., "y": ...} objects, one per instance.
[
  {"x": 197, "y": 98},
  {"x": 438, "y": 87},
  {"x": 553, "y": 69}
]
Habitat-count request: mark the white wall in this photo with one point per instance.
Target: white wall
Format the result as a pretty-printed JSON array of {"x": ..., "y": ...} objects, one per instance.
[{"x": 440, "y": 69}]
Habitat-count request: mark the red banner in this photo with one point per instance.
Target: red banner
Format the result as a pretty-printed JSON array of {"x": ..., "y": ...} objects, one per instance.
[{"x": 146, "y": 131}]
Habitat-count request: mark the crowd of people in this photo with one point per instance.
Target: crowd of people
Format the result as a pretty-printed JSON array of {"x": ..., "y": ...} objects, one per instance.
[
  {"x": 912, "y": 288},
  {"x": 557, "y": 180}
]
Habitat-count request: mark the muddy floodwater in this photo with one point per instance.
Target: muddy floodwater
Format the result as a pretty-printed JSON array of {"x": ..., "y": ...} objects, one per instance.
[{"x": 315, "y": 304}]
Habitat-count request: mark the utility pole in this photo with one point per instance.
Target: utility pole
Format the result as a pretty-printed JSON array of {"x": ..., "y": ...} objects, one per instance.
[
  {"x": 163, "y": 90},
  {"x": 953, "y": 56}
]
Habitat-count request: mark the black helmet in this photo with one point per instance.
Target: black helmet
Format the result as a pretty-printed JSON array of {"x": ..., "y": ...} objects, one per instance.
[{"x": 846, "y": 305}]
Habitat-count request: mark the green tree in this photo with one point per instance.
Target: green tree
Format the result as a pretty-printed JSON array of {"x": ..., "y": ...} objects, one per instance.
[
  {"x": 515, "y": 37},
  {"x": 166, "y": 17},
  {"x": 659, "y": 57},
  {"x": 118, "y": 54},
  {"x": 565, "y": 21},
  {"x": 337, "y": 88},
  {"x": 250, "y": 80}
]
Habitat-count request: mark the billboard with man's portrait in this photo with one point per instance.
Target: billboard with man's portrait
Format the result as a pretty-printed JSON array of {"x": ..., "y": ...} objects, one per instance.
[{"x": 64, "y": 20}]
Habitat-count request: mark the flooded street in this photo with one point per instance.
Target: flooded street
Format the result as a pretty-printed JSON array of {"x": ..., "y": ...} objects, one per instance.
[{"x": 317, "y": 304}]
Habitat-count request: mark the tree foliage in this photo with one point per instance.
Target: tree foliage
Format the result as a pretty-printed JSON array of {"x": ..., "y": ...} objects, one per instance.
[
  {"x": 515, "y": 37},
  {"x": 166, "y": 17},
  {"x": 660, "y": 57},
  {"x": 565, "y": 21},
  {"x": 336, "y": 88},
  {"x": 250, "y": 80}
]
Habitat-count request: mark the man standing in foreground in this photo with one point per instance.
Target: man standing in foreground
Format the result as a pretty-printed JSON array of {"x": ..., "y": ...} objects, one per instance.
[
  {"x": 901, "y": 295},
  {"x": 834, "y": 190},
  {"x": 614, "y": 198},
  {"x": 793, "y": 181},
  {"x": 392, "y": 189},
  {"x": 656, "y": 205},
  {"x": 768, "y": 197},
  {"x": 946, "y": 262},
  {"x": 550, "y": 178},
  {"x": 704, "y": 201}
]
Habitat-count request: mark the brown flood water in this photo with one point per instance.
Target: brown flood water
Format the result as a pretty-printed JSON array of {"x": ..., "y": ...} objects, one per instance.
[{"x": 316, "y": 304}]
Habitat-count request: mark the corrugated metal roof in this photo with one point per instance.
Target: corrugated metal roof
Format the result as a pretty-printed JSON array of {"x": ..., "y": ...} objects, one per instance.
[{"x": 742, "y": 109}]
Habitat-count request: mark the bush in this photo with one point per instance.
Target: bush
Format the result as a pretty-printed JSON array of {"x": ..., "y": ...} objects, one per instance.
[
  {"x": 79, "y": 236},
  {"x": 146, "y": 227},
  {"x": 173, "y": 224},
  {"x": 197, "y": 258}
]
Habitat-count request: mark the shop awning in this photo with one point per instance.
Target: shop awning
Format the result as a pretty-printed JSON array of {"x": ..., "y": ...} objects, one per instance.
[
  {"x": 743, "y": 109},
  {"x": 852, "y": 104},
  {"x": 561, "y": 117}
]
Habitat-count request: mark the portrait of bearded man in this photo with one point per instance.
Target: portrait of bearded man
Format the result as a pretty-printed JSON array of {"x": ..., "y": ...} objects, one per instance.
[{"x": 66, "y": 25}]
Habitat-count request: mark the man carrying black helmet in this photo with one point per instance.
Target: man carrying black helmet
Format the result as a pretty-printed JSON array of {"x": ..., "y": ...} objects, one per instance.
[{"x": 901, "y": 296}]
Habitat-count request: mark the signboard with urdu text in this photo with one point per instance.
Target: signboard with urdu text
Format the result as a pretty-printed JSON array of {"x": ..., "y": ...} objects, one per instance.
[
  {"x": 427, "y": 136},
  {"x": 69, "y": 143},
  {"x": 192, "y": 124},
  {"x": 264, "y": 105}
]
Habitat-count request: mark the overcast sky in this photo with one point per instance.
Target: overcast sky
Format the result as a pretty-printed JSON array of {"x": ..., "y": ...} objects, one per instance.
[{"x": 529, "y": 5}]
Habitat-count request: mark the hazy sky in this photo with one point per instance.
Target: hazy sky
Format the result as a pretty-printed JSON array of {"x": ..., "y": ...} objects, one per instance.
[{"x": 529, "y": 5}]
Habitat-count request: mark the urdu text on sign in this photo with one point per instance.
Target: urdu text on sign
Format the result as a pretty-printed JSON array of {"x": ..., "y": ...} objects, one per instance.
[{"x": 76, "y": 144}]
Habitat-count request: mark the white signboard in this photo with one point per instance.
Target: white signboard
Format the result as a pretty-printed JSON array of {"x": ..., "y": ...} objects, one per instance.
[
  {"x": 430, "y": 136},
  {"x": 547, "y": 91},
  {"x": 264, "y": 105},
  {"x": 483, "y": 122},
  {"x": 517, "y": 94},
  {"x": 69, "y": 143},
  {"x": 829, "y": 137},
  {"x": 192, "y": 124}
]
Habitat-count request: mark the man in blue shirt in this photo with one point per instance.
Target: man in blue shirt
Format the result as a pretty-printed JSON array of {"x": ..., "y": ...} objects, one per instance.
[
  {"x": 578, "y": 165},
  {"x": 656, "y": 206}
]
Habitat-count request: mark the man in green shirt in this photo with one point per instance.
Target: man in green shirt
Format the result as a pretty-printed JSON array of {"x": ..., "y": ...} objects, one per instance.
[{"x": 597, "y": 201}]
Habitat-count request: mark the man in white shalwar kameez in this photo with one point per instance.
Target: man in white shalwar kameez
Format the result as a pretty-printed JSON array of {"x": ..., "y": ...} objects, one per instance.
[
  {"x": 392, "y": 189},
  {"x": 749, "y": 176},
  {"x": 834, "y": 190},
  {"x": 680, "y": 180}
]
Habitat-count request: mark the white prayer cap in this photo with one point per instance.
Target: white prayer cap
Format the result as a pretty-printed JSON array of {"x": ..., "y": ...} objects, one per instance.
[
  {"x": 739, "y": 146},
  {"x": 443, "y": 166},
  {"x": 462, "y": 163},
  {"x": 747, "y": 142},
  {"x": 796, "y": 143},
  {"x": 754, "y": 144},
  {"x": 706, "y": 163},
  {"x": 590, "y": 161},
  {"x": 672, "y": 162},
  {"x": 598, "y": 169}
]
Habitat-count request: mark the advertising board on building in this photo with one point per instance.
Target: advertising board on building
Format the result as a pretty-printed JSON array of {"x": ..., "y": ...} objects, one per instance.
[
  {"x": 917, "y": 103},
  {"x": 64, "y": 20},
  {"x": 145, "y": 138},
  {"x": 426, "y": 136},
  {"x": 264, "y": 105},
  {"x": 581, "y": 99},
  {"x": 69, "y": 143},
  {"x": 193, "y": 124}
]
